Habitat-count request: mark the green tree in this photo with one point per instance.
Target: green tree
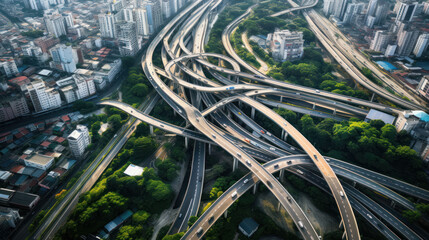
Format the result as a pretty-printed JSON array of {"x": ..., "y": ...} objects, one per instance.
[
  {"x": 176, "y": 236},
  {"x": 114, "y": 120},
  {"x": 139, "y": 90},
  {"x": 192, "y": 220}
]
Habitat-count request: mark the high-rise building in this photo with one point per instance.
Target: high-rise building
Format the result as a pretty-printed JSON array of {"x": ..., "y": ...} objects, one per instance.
[
  {"x": 166, "y": 8},
  {"x": 340, "y": 8},
  {"x": 328, "y": 7},
  {"x": 12, "y": 107},
  {"x": 79, "y": 140},
  {"x": 377, "y": 12},
  {"x": 107, "y": 25},
  {"x": 405, "y": 10},
  {"x": 127, "y": 38},
  {"x": 68, "y": 18},
  {"x": 423, "y": 87},
  {"x": 43, "y": 98},
  {"x": 406, "y": 41},
  {"x": 62, "y": 57},
  {"x": 421, "y": 45},
  {"x": 8, "y": 67},
  {"x": 380, "y": 41},
  {"x": 142, "y": 22},
  {"x": 128, "y": 15},
  {"x": 46, "y": 42},
  {"x": 352, "y": 10},
  {"x": 286, "y": 45},
  {"x": 154, "y": 15},
  {"x": 55, "y": 23}
]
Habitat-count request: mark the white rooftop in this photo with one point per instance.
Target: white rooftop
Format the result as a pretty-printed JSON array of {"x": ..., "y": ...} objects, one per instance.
[
  {"x": 133, "y": 170},
  {"x": 375, "y": 114}
]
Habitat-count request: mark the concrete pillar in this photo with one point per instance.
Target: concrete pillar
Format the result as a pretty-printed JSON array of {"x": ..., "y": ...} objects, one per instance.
[
  {"x": 392, "y": 204},
  {"x": 240, "y": 104},
  {"x": 255, "y": 187},
  {"x": 279, "y": 206},
  {"x": 282, "y": 174},
  {"x": 354, "y": 183},
  {"x": 238, "y": 79},
  {"x": 151, "y": 129},
  {"x": 341, "y": 224},
  {"x": 210, "y": 149},
  {"x": 229, "y": 114},
  {"x": 253, "y": 113},
  {"x": 225, "y": 214},
  {"x": 344, "y": 235},
  {"x": 186, "y": 142},
  {"x": 283, "y": 134},
  {"x": 372, "y": 97},
  {"x": 335, "y": 111},
  {"x": 235, "y": 164},
  {"x": 281, "y": 98},
  {"x": 314, "y": 106}
]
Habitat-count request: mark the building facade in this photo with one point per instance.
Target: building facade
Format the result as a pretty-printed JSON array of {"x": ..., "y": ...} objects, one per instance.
[
  {"x": 78, "y": 140},
  {"x": 286, "y": 45}
]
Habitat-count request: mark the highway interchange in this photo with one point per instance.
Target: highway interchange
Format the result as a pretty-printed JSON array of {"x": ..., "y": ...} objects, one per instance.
[{"x": 228, "y": 135}]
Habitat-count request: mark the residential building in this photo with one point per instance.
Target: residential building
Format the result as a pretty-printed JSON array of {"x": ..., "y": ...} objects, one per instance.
[
  {"x": 63, "y": 59},
  {"x": 142, "y": 22},
  {"x": 9, "y": 218},
  {"x": 12, "y": 107},
  {"x": 8, "y": 67},
  {"x": 68, "y": 18},
  {"x": 328, "y": 7},
  {"x": 377, "y": 12},
  {"x": 340, "y": 8},
  {"x": 248, "y": 227},
  {"x": 78, "y": 140},
  {"x": 127, "y": 38},
  {"x": 166, "y": 8},
  {"x": 39, "y": 161},
  {"x": 390, "y": 50},
  {"x": 18, "y": 199},
  {"x": 110, "y": 70},
  {"x": 423, "y": 87},
  {"x": 352, "y": 10},
  {"x": 421, "y": 45},
  {"x": 76, "y": 87},
  {"x": 43, "y": 98},
  {"x": 380, "y": 41},
  {"x": 107, "y": 25},
  {"x": 405, "y": 10},
  {"x": 407, "y": 39},
  {"x": 411, "y": 119},
  {"x": 286, "y": 45},
  {"x": 55, "y": 23},
  {"x": 45, "y": 43},
  {"x": 154, "y": 14}
]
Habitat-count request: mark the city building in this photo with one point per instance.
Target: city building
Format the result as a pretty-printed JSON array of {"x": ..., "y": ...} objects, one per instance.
[
  {"x": 405, "y": 10},
  {"x": 352, "y": 10},
  {"x": 286, "y": 45},
  {"x": 127, "y": 38},
  {"x": 39, "y": 161},
  {"x": 377, "y": 12},
  {"x": 340, "y": 8},
  {"x": 421, "y": 45},
  {"x": 423, "y": 87},
  {"x": 107, "y": 25},
  {"x": 390, "y": 50},
  {"x": 8, "y": 218},
  {"x": 55, "y": 23},
  {"x": 166, "y": 8},
  {"x": 12, "y": 107},
  {"x": 21, "y": 200},
  {"x": 407, "y": 39},
  {"x": 45, "y": 43},
  {"x": 142, "y": 22},
  {"x": 154, "y": 14},
  {"x": 63, "y": 58},
  {"x": 8, "y": 67},
  {"x": 43, "y": 98},
  {"x": 76, "y": 87},
  {"x": 378, "y": 115},
  {"x": 380, "y": 41},
  {"x": 411, "y": 119},
  {"x": 110, "y": 70},
  {"x": 248, "y": 227},
  {"x": 328, "y": 7},
  {"x": 78, "y": 141}
]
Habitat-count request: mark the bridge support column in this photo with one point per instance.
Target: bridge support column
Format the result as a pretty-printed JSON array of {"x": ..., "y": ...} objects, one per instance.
[
  {"x": 279, "y": 206},
  {"x": 282, "y": 175},
  {"x": 253, "y": 113},
  {"x": 255, "y": 187},
  {"x": 210, "y": 149},
  {"x": 354, "y": 183},
  {"x": 235, "y": 164},
  {"x": 392, "y": 204},
  {"x": 344, "y": 235},
  {"x": 314, "y": 106},
  {"x": 284, "y": 135},
  {"x": 225, "y": 214},
  {"x": 372, "y": 97},
  {"x": 199, "y": 98},
  {"x": 335, "y": 111},
  {"x": 151, "y": 129},
  {"x": 186, "y": 142},
  {"x": 281, "y": 98},
  {"x": 240, "y": 105}
]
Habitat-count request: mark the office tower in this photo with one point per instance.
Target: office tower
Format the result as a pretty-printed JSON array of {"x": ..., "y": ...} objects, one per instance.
[
  {"x": 377, "y": 12},
  {"x": 286, "y": 45},
  {"x": 154, "y": 15},
  {"x": 62, "y": 56},
  {"x": 8, "y": 67},
  {"x": 128, "y": 15},
  {"x": 34, "y": 4},
  {"x": 142, "y": 22},
  {"x": 340, "y": 8},
  {"x": 328, "y": 7},
  {"x": 43, "y": 98},
  {"x": 405, "y": 10},
  {"x": 406, "y": 41},
  {"x": 421, "y": 45},
  {"x": 55, "y": 23},
  {"x": 352, "y": 10},
  {"x": 127, "y": 38},
  {"x": 79, "y": 140},
  {"x": 107, "y": 25},
  {"x": 380, "y": 41}
]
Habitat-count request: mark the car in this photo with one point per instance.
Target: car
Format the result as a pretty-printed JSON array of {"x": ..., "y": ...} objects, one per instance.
[
  {"x": 248, "y": 163},
  {"x": 289, "y": 162},
  {"x": 234, "y": 194},
  {"x": 269, "y": 184},
  {"x": 239, "y": 113},
  {"x": 341, "y": 194},
  {"x": 272, "y": 149},
  {"x": 214, "y": 136},
  {"x": 224, "y": 125},
  {"x": 285, "y": 124},
  {"x": 239, "y": 155},
  {"x": 318, "y": 91},
  {"x": 327, "y": 159},
  {"x": 256, "y": 91},
  {"x": 370, "y": 217},
  {"x": 300, "y": 172},
  {"x": 133, "y": 127},
  {"x": 247, "y": 140},
  {"x": 246, "y": 181},
  {"x": 180, "y": 215},
  {"x": 269, "y": 134},
  {"x": 162, "y": 125},
  {"x": 289, "y": 199},
  {"x": 197, "y": 119},
  {"x": 292, "y": 148},
  {"x": 276, "y": 166},
  {"x": 300, "y": 224},
  {"x": 115, "y": 135},
  {"x": 211, "y": 219},
  {"x": 262, "y": 131},
  {"x": 348, "y": 99},
  {"x": 315, "y": 156},
  {"x": 298, "y": 93},
  {"x": 131, "y": 111},
  {"x": 200, "y": 231}
]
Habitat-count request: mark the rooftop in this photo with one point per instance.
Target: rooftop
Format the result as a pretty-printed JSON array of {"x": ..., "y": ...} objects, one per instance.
[
  {"x": 249, "y": 225},
  {"x": 39, "y": 159}
]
